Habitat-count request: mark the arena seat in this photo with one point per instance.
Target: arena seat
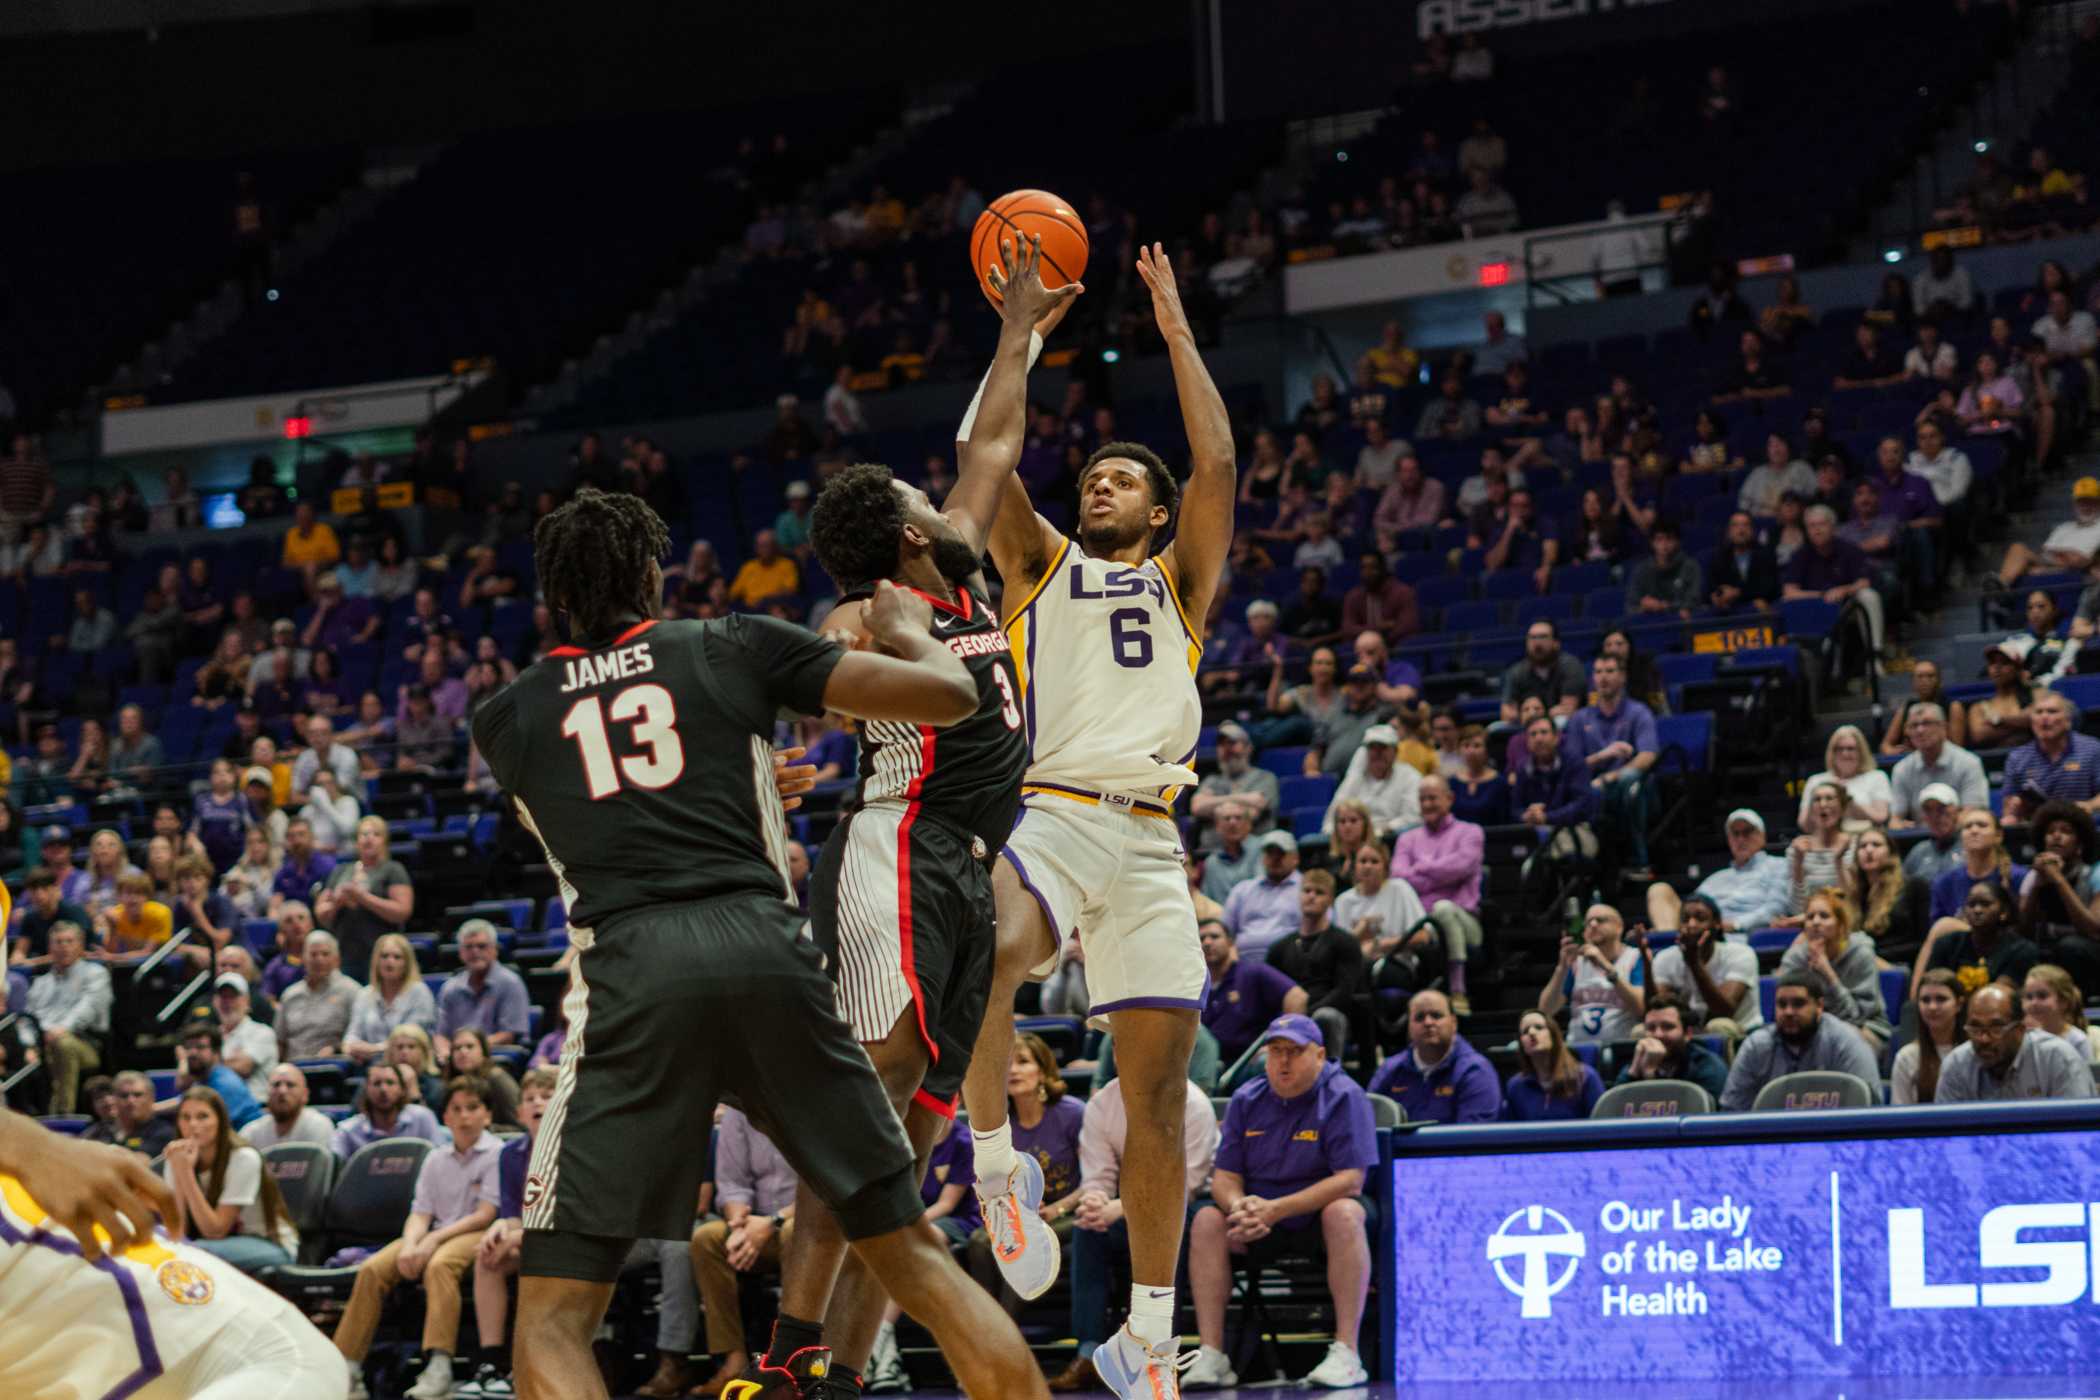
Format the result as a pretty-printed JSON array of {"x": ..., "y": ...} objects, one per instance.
[
  {"x": 1815, "y": 1089},
  {"x": 368, "y": 1205},
  {"x": 1653, "y": 1098},
  {"x": 305, "y": 1174}
]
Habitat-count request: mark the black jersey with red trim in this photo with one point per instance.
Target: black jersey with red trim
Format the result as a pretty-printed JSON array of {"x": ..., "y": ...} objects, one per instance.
[
  {"x": 645, "y": 766},
  {"x": 967, "y": 774}
]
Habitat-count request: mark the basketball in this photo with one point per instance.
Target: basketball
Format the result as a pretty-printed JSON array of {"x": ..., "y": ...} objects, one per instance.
[{"x": 1019, "y": 215}]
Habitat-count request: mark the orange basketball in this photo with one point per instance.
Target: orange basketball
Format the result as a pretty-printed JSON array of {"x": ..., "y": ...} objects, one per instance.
[{"x": 1022, "y": 214}]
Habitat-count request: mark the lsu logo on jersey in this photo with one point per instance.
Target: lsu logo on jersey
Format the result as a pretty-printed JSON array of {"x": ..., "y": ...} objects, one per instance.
[
  {"x": 184, "y": 1282},
  {"x": 1124, "y": 583}
]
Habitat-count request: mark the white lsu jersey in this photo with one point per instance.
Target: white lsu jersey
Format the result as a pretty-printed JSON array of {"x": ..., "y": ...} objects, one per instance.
[
  {"x": 1107, "y": 664},
  {"x": 162, "y": 1319}
]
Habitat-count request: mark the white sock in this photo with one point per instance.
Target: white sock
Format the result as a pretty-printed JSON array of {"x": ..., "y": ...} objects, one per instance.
[
  {"x": 1151, "y": 1313},
  {"x": 995, "y": 1157}
]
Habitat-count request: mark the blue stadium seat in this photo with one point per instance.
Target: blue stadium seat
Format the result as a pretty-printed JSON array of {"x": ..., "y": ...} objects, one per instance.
[
  {"x": 1895, "y": 990},
  {"x": 1472, "y": 617},
  {"x": 1560, "y": 607},
  {"x": 1508, "y": 586},
  {"x": 1284, "y": 761},
  {"x": 1606, "y": 602},
  {"x": 1443, "y": 591},
  {"x": 1306, "y": 821},
  {"x": 1301, "y": 791},
  {"x": 1694, "y": 734},
  {"x": 1808, "y": 619}
]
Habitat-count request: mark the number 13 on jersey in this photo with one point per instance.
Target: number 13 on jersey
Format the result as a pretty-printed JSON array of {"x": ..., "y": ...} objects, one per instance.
[{"x": 654, "y": 716}]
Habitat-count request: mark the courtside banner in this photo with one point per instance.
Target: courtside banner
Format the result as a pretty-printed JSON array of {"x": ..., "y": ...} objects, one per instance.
[{"x": 1917, "y": 1256}]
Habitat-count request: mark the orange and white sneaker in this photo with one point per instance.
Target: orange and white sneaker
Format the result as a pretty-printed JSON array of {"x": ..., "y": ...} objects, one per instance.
[
  {"x": 1027, "y": 1252},
  {"x": 1135, "y": 1371}
]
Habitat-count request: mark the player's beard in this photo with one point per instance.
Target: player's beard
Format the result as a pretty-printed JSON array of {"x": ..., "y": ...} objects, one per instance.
[
  {"x": 954, "y": 559},
  {"x": 1108, "y": 536}
]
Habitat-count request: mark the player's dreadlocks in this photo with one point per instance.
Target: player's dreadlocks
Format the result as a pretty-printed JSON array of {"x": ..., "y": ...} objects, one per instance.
[
  {"x": 855, "y": 525},
  {"x": 593, "y": 557}
]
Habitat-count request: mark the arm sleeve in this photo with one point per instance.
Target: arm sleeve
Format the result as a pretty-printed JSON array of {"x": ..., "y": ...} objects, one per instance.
[
  {"x": 511, "y": 1179},
  {"x": 1745, "y": 1076},
  {"x": 795, "y": 662},
  {"x": 421, "y": 1204},
  {"x": 495, "y": 732},
  {"x": 1230, "y": 1158},
  {"x": 1480, "y": 1097},
  {"x": 243, "y": 1185},
  {"x": 1858, "y": 1060},
  {"x": 514, "y": 1011},
  {"x": 1097, "y": 1160},
  {"x": 735, "y": 1182},
  {"x": 1645, "y": 736},
  {"x": 1351, "y": 1142},
  {"x": 1903, "y": 1076}
]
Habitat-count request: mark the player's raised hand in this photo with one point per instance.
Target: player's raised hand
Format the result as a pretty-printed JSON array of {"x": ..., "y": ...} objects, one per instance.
[
  {"x": 1017, "y": 277},
  {"x": 1157, "y": 269},
  {"x": 85, "y": 1185},
  {"x": 894, "y": 614}
]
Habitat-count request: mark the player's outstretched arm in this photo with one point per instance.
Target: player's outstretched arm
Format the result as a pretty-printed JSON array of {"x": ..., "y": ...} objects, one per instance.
[
  {"x": 1203, "y": 535},
  {"x": 84, "y": 1184},
  {"x": 920, "y": 681},
  {"x": 992, "y": 449}
]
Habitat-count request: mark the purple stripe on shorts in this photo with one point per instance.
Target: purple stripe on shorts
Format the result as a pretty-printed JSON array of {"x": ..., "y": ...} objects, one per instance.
[
  {"x": 1049, "y": 918},
  {"x": 150, "y": 1366},
  {"x": 1133, "y": 1003}
]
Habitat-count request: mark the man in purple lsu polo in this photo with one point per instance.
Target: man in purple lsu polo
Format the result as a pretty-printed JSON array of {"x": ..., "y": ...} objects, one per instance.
[{"x": 1292, "y": 1154}]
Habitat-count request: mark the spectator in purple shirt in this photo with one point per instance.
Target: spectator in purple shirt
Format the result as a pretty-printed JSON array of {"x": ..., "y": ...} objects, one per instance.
[
  {"x": 484, "y": 993},
  {"x": 1253, "y": 653},
  {"x": 1439, "y": 1077},
  {"x": 1553, "y": 1084},
  {"x": 1046, "y": 1125},
  {"x": 338, "y": 621},
  {"x": 502, "y": 1246},
  {"x": 1261, "y": 910},
  {"x": 448, "y": 693},
  {"x": 294, "y": 922},
  {"x": 1833, "y": 570},
  {"x": 1908, "y": 496},
  {"x": 1245, "y": 995},
  {"x": 426, "y": 623},
  {"x": 1615, "y": 741},
  {"x": 387, "y": 1113},
  {"x": 456, "y": 1198},
  {"x": 1551, "y": 790},
  {"x": 1292, "y": 1155},
  {"x": 304, "y": 871},
  {"x": 1380, "y": 603},
  {"x": 219, "y": 817},
  {"x": 1441, "y": 860}
]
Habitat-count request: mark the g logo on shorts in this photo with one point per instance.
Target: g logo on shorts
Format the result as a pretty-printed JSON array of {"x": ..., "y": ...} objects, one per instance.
[{"x": 534, "y": 1189}]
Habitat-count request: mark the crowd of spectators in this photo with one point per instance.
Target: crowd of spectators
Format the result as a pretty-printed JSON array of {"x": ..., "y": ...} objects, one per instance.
[{"x": 1339, "y": 949}]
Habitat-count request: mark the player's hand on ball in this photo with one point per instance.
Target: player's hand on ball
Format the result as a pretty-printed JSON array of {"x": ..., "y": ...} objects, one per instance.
[
  {"x": 85, "y": 1185},
  {"x": 896, "y": 614},
  {"x": 1018, "y": 279}
]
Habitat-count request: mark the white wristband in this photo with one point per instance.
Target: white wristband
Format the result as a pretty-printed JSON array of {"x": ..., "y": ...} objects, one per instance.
[{"x": 969, "y": 420}]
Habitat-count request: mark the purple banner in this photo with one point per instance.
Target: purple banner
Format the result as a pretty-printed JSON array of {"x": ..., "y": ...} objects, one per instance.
[{"x": 1928, "y": 1257}]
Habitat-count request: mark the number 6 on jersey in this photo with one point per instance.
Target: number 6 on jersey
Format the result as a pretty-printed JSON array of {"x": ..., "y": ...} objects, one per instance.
[{"x": 655, "y": 718}]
